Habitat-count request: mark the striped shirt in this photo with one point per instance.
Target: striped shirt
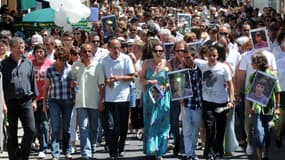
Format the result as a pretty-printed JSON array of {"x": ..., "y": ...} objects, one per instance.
[
  {"x": 59, "y": 83},
  {"x": 195, "y": 102}
]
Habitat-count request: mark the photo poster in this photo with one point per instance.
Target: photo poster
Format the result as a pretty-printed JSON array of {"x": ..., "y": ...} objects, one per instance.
[
  {"x": 259, "y": 38},
  {"x": 180, "y": 84},
  {"x": 262, "y": 88},
  {"x": 109, "y": 24},
  {"x": 155, "y": 93},
  {"x": 184, "y": 23},
  {"x": 168, "y": 50},
  {"x": 195, "y": 46},
  {"x": 94, "y": 15}
]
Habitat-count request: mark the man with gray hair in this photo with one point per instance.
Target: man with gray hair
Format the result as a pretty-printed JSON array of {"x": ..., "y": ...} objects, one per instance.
[{"x": 20, "y": 91}]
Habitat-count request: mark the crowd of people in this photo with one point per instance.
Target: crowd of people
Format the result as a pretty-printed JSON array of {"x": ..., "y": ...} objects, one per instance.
[{"x": 61, "y": 83}]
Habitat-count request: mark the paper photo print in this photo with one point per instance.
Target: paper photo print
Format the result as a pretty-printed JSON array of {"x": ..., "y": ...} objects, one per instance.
[
  {"x": 180, "y": 84},
  {"x": 155, "y": 93},
  {"x": 168, "y": 50},
  {"x": 259, "y": 38},
  {"x": 261, "y": 88},
  {"x": 109, "y": 24},
  {"x": 184, "y": 23},
  {"x": 196, "y": 46}
]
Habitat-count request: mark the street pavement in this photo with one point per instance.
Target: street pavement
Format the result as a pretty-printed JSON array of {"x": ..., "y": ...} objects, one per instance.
[{"x": 133, "y": 151}]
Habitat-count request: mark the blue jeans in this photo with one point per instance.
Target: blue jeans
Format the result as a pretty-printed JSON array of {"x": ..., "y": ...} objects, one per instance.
[
  {"x": 42, "y": 126},
  {"x": 88, "y": 123},
  {"x": 60, "y": 113},
  {"x": 261, "y": 130},
  {"x": 191, "y": 124}
]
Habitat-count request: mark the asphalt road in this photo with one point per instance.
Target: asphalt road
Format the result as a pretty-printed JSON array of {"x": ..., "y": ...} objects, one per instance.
[{"x": 134, "y": 152}]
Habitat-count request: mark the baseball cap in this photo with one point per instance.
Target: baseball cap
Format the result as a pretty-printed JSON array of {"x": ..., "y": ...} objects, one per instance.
[{"x": 37, "y": 39}]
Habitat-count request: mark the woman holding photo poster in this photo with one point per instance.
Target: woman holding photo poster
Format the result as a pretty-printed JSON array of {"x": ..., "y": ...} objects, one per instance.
[
  {"x": 215, "y": 97},
  {"x": 156, "y": 114},
  {"x": 263, "y": 115}
]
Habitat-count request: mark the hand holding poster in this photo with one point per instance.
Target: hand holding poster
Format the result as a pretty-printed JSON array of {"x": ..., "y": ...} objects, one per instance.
[
  {"x": 155, "y": 93},
  {"x": 261, "y": 88},
  {"x": 180, "y": 84}
]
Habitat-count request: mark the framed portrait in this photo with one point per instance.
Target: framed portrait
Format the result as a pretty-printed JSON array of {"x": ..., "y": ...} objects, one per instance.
[
  {"x": 94, "y": 15},
  {"x": 109, "y": 24},
  {"x": 155, "y": 93},
  {"x": 261, "y": 88},
  {"x": 184, "y": 22},
  {"x": 259, "y": 38},
  {"x": 195, "y": 46},
  {"x": 168, "y": 50},
  {"x": 180, "y": 84}
]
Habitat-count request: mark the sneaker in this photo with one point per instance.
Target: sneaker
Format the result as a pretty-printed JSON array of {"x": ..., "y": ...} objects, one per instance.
[
  {"x": 41, "y": 155},
  {"x": 249, "y": 149}
]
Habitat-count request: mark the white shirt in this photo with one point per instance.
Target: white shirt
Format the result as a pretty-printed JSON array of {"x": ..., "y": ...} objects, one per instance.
[
  {"x": 281, "y": 73},
  {"x": 233, "y": 59},
  {"x": 100, "y": 54},
  {"x": 121, "y": 66},
  {"x": 245, "y": 63},
  {"x": 89, "y": 78},
  {"x": 213, "y": 83},
  {"x": 278, "y": 53}
]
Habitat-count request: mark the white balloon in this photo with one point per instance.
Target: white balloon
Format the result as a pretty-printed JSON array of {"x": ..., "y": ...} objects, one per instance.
[
  {"x": 74, "y": 17},
  {"x": 85, "y": 11},
  {"x": 67, "y": 27},
  {"x": 56, "y": 4},
  {"x": 60, "y": 18}
]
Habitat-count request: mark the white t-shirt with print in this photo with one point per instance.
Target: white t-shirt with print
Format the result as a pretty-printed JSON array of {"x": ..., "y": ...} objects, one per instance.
[{"x": 213, "y": 82}]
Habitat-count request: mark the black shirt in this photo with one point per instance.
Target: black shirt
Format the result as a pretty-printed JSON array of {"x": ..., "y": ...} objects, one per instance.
[{"x": 18, "y": 79}]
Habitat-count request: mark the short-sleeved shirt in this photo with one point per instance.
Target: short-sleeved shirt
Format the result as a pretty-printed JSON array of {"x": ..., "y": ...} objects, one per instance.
[
  {"x": 121, "y": 66},
  {"x": 18, "y": 79},
  {"x": 89, "y": 78},
  {"x": 59, "y": 83},
  {"x": 40, "y": 71},
  {"x": 213, "y": 81},
  {"x": 245, "y": 63}
]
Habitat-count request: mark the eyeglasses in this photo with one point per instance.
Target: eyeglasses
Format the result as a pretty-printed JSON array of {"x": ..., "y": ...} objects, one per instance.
[
  {"x": 124, "y": 46},
  {"x": 223, "y": 33},
  {"x": 76, "y": 33},
  {"x": 96, "y": 41},
  {"x": 181, "y": 50},
  {"x": 4, "y": 37},
  {"x": 86, "y": 51},
  {"x": 157, "y": 51}
]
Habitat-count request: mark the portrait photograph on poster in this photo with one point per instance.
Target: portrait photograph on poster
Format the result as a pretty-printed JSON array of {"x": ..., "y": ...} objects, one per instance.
[
  {"x": 109, "y": 24},
  {"x": 259, "y": 38},
  {"x": 184, "y": 22},
  {"x": 155, "y": 93},
  {"x": 261, "y": 88},
  {"x": 168, "y": 50},
  {"x": 180, "y": 84},
  {"x": 196, "y": 46}
]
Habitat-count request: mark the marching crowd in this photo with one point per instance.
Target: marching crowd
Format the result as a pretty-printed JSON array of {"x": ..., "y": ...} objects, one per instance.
[{"x": 60, "y": 83}]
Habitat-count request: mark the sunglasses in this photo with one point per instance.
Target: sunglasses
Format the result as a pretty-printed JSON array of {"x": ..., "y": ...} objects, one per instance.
[
  {"x": 86, "y": 51},
  {"x": 223, "y": 33},
  {"x": 181, "y": 50},
  {"x": 95, "y": 41},
  {"x": 157, "y": 51}
]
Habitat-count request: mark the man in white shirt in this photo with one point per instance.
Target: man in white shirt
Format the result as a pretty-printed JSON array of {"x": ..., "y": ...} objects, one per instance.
[
  {"x": 119, "y": 72},
  {"x": 88, "y": 81}
]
